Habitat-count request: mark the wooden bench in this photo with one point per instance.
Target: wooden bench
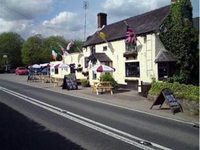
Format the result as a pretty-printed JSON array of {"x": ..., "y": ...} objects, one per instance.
[{"x": 102, "y": 86}]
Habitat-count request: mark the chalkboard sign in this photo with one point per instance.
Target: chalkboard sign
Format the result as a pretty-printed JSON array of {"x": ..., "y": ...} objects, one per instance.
[
  {"x": 166, "y": 95},
  {"x": 70, "y": 82}
]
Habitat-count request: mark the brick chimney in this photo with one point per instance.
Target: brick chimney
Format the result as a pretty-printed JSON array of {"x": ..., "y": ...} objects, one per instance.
[{"x": 101, "y": 19}]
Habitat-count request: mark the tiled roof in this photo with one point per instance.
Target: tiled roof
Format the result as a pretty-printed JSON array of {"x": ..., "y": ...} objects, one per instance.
[
  {"x": 165, "y": 56},
  {"x": 142, "y": 24},
  {"x": 102, "y": 57}
]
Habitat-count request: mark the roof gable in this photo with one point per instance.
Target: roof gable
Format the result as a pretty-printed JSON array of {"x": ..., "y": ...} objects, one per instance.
[{"x": 141, "y": 24}]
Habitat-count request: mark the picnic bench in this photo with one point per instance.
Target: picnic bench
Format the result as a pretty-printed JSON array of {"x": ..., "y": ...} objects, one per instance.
[{"x": 102, "y": 86}]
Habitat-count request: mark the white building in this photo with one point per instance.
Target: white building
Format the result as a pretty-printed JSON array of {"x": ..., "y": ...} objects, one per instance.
[
  {"x": 133, "y": 64},
  {"x": 148, "y": 59},
  {"x": 71, "y": 63}
]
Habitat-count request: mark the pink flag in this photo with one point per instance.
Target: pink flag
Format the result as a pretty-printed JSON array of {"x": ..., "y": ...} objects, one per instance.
[{"x": 130, "y": 36}]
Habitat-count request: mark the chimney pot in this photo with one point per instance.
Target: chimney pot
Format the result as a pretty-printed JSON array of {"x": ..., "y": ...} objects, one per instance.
[{"x": 101, "y": 19}]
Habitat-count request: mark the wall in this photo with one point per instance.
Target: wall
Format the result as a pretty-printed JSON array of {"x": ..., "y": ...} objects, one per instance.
[
  {"x": 61, "y": 71},
  {"x": 148, "y": 47},
  {"x": 74, "y": 58}
]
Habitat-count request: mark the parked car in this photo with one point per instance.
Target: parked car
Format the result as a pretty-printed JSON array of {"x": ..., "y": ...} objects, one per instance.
[{"x": 21, "y": 71}]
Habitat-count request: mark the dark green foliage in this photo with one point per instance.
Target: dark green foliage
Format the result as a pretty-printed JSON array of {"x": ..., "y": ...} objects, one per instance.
[
  {"x": 56, "y": 43},
  {"x": 108, "y": 77},
  {"x": 38, "y": 49},
  {"x": 11, "y": 44},
  {"x": 32, "y": 50},
  {"x": 179, "y": 36},
  {"x": 85, "y": 83},
  {"x": 181, "y": 91},
  {"x": 77, "y": 47}
]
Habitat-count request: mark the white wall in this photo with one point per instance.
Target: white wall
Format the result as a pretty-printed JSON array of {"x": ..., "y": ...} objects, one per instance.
[
  {"x": 61, "y": 71},
  {"x": 148, "y": 47}
]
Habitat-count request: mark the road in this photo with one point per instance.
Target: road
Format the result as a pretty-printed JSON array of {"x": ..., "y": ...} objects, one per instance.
[{"x": 98, "y": 126}]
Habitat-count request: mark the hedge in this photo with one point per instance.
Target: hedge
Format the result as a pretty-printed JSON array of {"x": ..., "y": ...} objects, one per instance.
[{"x": 181, "y": 91}]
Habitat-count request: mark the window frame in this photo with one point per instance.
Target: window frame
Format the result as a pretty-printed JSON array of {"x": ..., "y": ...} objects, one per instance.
[{"x": 129, "y": 72}]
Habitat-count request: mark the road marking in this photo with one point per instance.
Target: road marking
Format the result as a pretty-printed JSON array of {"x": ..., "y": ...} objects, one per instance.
[
  {"x": 115, "y": 105},
  {"x": 136, "y": 110},
  {"x": 115, "y": 133}
]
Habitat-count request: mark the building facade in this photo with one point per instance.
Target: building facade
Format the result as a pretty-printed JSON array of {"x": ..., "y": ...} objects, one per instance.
[{"x": 143, "y": 61}]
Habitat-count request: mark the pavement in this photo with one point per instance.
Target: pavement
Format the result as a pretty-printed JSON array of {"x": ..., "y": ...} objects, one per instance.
[{"x": 128, "y": 99}]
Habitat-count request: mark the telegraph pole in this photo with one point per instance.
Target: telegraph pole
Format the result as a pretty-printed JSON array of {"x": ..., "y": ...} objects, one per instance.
[{"x": 85, "y": 7}]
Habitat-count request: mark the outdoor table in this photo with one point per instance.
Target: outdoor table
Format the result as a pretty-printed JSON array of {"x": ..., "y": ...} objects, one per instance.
[{"x": 102, "y": 86}]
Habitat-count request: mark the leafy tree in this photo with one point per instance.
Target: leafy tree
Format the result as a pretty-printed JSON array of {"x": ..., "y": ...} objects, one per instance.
[
  {"x": 179, "y": 36},
  {"x": 32, "y": 50},
  {"x": 10, "y": 45},
  {"x": 77, "y": 47},
  {"x": 53, "y": 43}
]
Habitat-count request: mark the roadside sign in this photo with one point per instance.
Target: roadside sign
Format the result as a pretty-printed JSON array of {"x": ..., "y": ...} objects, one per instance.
[
  {"x": 167, "y": 96},
  {"x": 70, "y": 83}
]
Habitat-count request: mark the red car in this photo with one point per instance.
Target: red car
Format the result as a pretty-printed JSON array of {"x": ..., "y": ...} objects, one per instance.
[{"x": 21, "y": 71}]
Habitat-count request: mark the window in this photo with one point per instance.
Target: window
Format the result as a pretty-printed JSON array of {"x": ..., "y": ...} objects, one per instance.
[
  {"x": 165, "y": 70},
  {"x": 132, "y": 69},
  {"x": 56, "y": 70},
  {"x": 105, "y": 48}
]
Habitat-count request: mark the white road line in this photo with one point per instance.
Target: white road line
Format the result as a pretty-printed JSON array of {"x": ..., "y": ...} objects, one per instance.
[
  {"x": 136, "y": 110},
  {"x": 88, "y": 122}
]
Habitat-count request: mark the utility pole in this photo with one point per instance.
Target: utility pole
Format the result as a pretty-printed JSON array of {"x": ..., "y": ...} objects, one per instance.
[{"x": 85, "y": 7}]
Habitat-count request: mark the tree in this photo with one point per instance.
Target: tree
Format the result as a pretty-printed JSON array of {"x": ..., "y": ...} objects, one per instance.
[
  {"x": 56, "y": 43},
  {"x": 77, "y": 47},
  {"x": 32, "y": 50},
  {"x": 10, "y": 45},
  {"x": 178, "y": 36}
]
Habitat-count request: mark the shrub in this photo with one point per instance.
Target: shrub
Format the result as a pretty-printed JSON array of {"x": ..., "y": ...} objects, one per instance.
[
  {"x": 178, "y": 78},
  {"x": 181, "y": 91},
  {"x": 85, "y": 82},
  {"x": 108, "y": 77}
]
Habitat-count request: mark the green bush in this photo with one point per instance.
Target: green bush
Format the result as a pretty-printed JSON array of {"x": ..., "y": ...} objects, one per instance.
[
  {"x": 108, "y": 77},
  {"x": 85, "y": 83},
  {"x": 181, "y": 91}
]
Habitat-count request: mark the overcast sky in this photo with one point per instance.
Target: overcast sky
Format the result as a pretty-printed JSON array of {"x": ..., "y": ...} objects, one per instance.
[{"x": 66, "y": 17}]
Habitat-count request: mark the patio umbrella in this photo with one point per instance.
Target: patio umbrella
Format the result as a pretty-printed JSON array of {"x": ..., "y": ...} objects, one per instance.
[
  {"x": 44, "y": 65},
  {"x": 63, "y": 66},
  {"x": 36, "y": 66},
  {"x": 102, "y": 68}
]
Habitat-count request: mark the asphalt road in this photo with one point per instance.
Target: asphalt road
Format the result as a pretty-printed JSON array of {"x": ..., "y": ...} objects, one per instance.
[{"x": 98, "y": 126}]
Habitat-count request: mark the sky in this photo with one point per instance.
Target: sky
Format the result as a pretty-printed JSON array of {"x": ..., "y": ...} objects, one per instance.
[{"x": 67, "y": 17}]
